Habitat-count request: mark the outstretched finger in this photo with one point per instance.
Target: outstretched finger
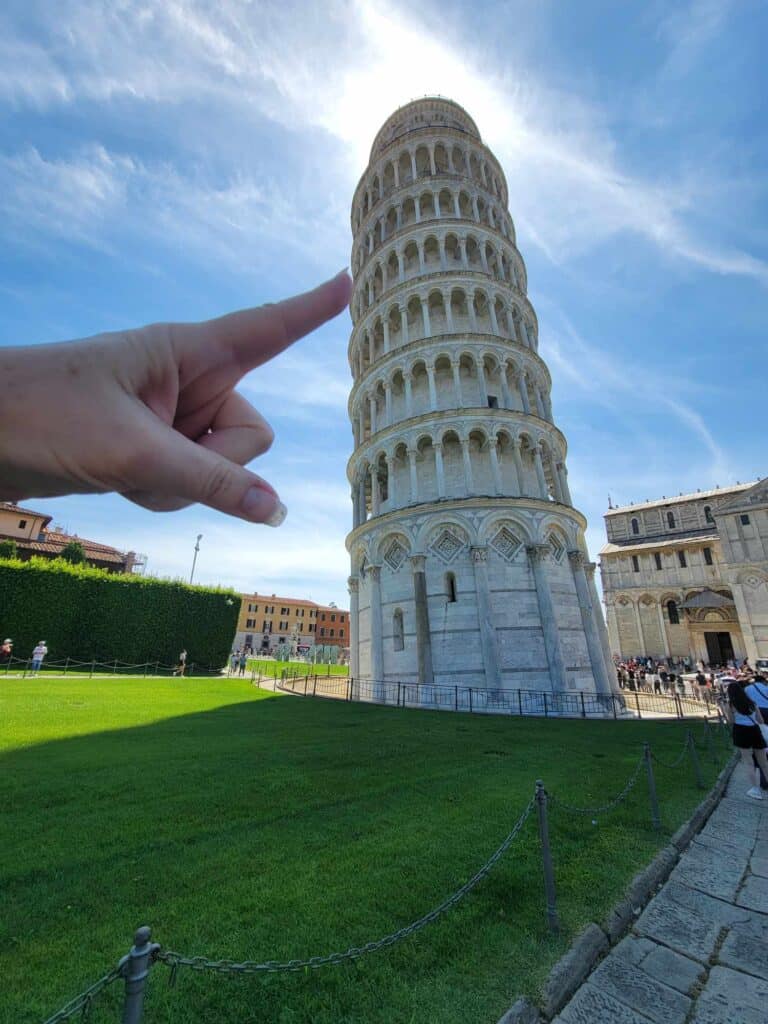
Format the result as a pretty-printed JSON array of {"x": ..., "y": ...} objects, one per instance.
[{"x": 252, "y": 336}]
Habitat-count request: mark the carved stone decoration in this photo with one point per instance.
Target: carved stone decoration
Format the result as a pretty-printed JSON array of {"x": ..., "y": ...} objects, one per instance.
[
  {"x": 446, "y": 546},
  {"x": 479, "y": 555},
  {"x": 506, "y": 543},
  {"x": 538, "y": 552},
  {"x": 395, "y": 555},
  {"x": 353, "y": 584},
  {"x": 557, "y": 547},
  {"x": 577, "y": 558}
]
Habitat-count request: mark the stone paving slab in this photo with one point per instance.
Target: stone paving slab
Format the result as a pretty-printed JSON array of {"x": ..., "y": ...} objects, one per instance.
[
  {"x": 746, "y": 947},
  {"x": 687, "y": 920},
  {"x": 698, "y": 954},
  {"x": 710, "y": 872},
  {"x": 754, "y": 895},
  {"x": 730, "y": 997}
]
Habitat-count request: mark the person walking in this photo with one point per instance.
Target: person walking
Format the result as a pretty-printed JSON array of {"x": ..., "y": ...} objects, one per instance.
[
  {"x": 757, "y": 691},
  {"x": 6, "y": 651},
  {"x": 233, "y": 662},
  {"x": 747, "y": 735},
  {"x": 243, "y": 661},
  {"x": 182, "y": 665},
  {"x": 37, "y": 657}
]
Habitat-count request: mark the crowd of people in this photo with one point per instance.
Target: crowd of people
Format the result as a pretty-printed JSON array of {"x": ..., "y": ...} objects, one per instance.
[
  {"x": 238, "y": 661},
  {"x": 647, "y": 675}
]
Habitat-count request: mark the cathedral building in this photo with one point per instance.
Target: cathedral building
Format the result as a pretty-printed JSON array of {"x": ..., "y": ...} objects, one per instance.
[
  {"x": 687, "y": 577},
  {"x": 468, "y": 560}
]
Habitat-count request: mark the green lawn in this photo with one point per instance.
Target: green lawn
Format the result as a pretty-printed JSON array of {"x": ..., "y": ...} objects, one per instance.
[
  {"x": 245, "y": 824},
  {"x": 272, "y": 668}
]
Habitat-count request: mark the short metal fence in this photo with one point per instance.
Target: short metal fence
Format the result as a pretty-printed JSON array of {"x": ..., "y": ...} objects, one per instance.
[
  {"x": 480, "y": 700},
  {"x": 23, "y": 667},
  {"x": 135, "y": 968}
]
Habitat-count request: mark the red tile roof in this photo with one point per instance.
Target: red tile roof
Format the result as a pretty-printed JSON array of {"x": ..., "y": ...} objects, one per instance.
[{"x": 9, "y": 506}]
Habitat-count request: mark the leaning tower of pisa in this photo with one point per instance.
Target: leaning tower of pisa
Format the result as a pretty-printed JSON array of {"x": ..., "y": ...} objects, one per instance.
[{"x": 469, "y": 564}]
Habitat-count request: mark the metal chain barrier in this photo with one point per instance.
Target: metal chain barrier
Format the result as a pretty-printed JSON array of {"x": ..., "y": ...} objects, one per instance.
[
  {"x": 601, "y": 809},
  {"x": 201, "y": 963},
  {"x": 82, "y": 1004}
]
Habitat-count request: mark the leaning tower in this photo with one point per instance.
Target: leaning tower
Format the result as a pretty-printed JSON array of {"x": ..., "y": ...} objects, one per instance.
[{"x": 469, "y": 564}]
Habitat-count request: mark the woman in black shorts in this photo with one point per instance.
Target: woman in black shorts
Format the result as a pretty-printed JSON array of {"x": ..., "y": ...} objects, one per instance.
[{"x": 747, "y": 736}]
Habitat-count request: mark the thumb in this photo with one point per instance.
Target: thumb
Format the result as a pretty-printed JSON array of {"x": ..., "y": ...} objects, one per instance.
[{"x": 173, "y": 467}]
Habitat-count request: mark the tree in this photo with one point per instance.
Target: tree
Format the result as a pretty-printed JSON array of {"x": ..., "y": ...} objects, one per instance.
[
  {"x": 8, "y": 549},
  {"x": 74, "y": 553}
]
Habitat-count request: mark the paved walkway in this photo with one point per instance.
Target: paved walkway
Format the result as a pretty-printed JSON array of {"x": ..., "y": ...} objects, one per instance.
[{"x": 698, "y": 954}]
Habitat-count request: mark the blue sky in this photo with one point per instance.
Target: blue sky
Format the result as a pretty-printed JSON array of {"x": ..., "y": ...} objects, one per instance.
[{"x": 173, "y": 159}]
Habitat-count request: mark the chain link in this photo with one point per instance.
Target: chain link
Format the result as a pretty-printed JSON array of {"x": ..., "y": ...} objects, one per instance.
[
  {"x": 201, "y": 963},
  {"x": 678, "y": 761},
  {"x": 82, "y": 1003},
  {"x": 601, "y": 808}
]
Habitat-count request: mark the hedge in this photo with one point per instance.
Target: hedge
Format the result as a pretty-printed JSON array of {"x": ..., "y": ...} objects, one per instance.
[{"x": 85, "y": 613}]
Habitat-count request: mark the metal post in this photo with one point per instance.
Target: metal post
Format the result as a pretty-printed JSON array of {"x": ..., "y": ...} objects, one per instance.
[
  {"x": 546, "y": 710},
  {"x": 306, "y": 681},
  {"x": 456, "y": 698},
  {"x": 398, "y": 694},
  {"x": 678, "y": 705},
  {"x": 314, "y": 686},
  {"x": 66, "y": 665},
  {"x": 655, "y": 816},
  {"x": 136, "y": 966},
  {"x": 613, "y": 703},
  {"x": 470, "y": 700},
  {"x": 93, "y": 666},
  {"x": 695, "y": 759},
  {"x": 349, "y": 689},
  {"x": 157, "y": 668},
  {"x": 583, "y": 709},
  {"x": 546, "y": 858},
  {"x": 637, "y": 705}
]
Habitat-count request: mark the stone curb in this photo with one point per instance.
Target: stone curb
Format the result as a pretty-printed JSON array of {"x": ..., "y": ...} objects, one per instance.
[{"x": 595, "y": 940}]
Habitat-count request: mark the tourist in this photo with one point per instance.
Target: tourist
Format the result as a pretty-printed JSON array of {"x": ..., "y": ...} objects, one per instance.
[
  {"x": 6, "y": 651},
  {"x": 233, "y": 660},
  {"x": 37, "y": 657},
  {"x": 182, "y": 665},
  {"x": 747, "y": 734},
  {"x": 243, "y": 660},
  {"x": 128, "y": 399}
]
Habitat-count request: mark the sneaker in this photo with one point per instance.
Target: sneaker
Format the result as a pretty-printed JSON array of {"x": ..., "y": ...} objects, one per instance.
[{"x": 755, "y": 793}]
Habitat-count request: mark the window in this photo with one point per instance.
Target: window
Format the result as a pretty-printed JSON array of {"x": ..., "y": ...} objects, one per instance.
[
  {"x": 673, "y": 613},
  {"x": 744, "y": 519},
  {"x": 450, "y": 587},
  {"x": 341, "y": 618},
  {"x": 322, "y": 631},
  {"x": 266, "y": 626},
  {"x": 333, "y": 618},
  {"x": 333, "y": 632},
  {"x": 657, "y": 560},
  {"x": 398, "y": 633},
  {"x": 300, "y": 613},
  {"x": 283, "y": 611},
  {"x": 322, "y": 617},
  {"x": 635, "y": 563},
  {"x": 682, "y": 559},
  {"x": 635, "y": 526},
  {"x": 708, "y": 517},
  {"x": 493, "y": 402},
  {"x": 708, "y": 556},
  {"x": 311, "y": 627},
  {"x": 283, "y": 624},
  {"x": 22, "y": 523},
  {"x": 341, "y": 632},
  {"x": 250, "y": 623},
  {"x": 671, "y": 520}
]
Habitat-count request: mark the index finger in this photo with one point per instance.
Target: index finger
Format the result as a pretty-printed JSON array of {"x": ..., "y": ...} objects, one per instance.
[{"x": 252, "y": 336}]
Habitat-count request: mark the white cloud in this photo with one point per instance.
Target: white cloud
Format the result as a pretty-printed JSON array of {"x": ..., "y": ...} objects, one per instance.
[
  {"x": 342, "y": 68},
  {"x": 688, "y": 31}
]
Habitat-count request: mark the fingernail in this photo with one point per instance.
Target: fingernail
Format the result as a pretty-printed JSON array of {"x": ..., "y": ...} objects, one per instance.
[{"x": 263, "y": 506}]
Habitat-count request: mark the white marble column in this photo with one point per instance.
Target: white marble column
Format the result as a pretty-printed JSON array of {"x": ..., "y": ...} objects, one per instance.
[
  {"x": 543, "y": 491},
  {"x": 404, "y": 325},
  {"x": 375, "y": 493},
  {"x": 373, "y": 572},
  {"x": 522, "y": 384},
  {"x": 439, "y": 470},
  {"x": 408, "y": 378},
  {"x": 467, "y": 465},
  {"x": 663, "y": 630},
  {"x": 456, "y": 370},
  {"x": 538, "y": 555},
  {"x": 372, "y": 406},
  {"x": 449, "y": 314},
  {"x": 391, "y": 498},
  {"x": 562, "y": 474},
  {"x": 518, "y": 465},
  {"x": 432, "y": 388},
  {"x": 594, "y": 647},
  {"x": 421, "y": 609},
  {"x": 640, "y": 637},
  {"x": 482, "y": 383},
  {"x": 602, "y": 629},
  {"x": 385, "y": 329},
  {"x": 425, "y": 318},
  {"x": 539, "y": 404},
  {"x": 488, "y": 644},
  {"x": 506, "y": 396},
  {"x": 492, "y": 315},
  {"x": 495, "y": 467},
  {"x": 363, "y": 511},
  {"x": 413, "y": 476},
  {"x": 353, "y": 584},
  {"x": 388, "y": 404}
]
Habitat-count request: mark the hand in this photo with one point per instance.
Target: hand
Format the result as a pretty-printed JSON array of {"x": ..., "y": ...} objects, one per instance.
[{"x": 152, "y": 413}]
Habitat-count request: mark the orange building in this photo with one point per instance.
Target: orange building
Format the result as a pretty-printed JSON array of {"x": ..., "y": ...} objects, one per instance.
[
  {"x": 30, "y": 532},
  {"x": 268, "y": 621}
]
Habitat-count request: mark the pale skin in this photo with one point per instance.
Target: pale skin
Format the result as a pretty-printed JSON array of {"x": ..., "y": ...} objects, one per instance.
[
  {"x": 746, "y": 755},
  {"x": 152, "y": 413}
]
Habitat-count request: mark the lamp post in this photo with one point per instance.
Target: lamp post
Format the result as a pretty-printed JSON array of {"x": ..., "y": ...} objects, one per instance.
[{"x": 194, "y": 557}]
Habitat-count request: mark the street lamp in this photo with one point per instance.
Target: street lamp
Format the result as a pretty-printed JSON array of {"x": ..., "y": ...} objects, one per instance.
[{"x": 194, "y": 557}]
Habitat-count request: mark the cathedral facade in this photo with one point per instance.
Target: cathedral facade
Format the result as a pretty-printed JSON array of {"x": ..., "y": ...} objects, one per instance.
[
  {"x": 468, "y": 560},
  {"x": 687, "y": 577}
]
